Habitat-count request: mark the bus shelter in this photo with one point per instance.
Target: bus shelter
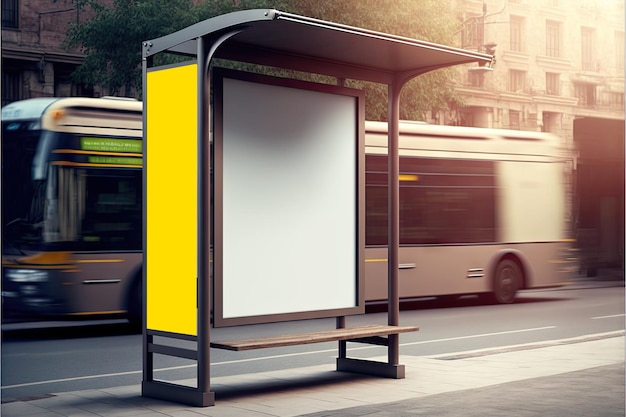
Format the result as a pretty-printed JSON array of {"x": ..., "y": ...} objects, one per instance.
[{"x": 209, "y": 230}]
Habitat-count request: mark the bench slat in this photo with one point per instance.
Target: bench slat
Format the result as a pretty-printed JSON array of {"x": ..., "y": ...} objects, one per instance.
[{"x": 313, "y": 337}]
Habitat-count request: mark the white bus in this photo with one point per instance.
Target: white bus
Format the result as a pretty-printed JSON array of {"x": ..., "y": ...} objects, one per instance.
[
  {"x": 72, "y": 208},
  {"x": 482, "y": 211}
]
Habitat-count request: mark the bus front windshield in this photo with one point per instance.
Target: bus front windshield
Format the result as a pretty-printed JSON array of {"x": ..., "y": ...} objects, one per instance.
[
  {"x": 48, "y": 201},
  {"x": 20, "y": 191}
]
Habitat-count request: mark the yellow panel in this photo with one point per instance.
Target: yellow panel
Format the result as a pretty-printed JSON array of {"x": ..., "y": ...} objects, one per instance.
[{"x": 171, "y": 205}]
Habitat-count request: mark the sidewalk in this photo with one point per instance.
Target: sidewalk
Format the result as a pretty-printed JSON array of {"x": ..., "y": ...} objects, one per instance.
[{"x": 575, "y": 377}]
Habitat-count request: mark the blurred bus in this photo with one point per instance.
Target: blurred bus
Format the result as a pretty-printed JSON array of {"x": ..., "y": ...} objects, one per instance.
[
  {"x": 72, "y": 208},
  {"x": 482, "y": 211}
]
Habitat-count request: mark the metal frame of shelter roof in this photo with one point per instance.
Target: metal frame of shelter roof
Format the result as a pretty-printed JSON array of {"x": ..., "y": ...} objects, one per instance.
[
  {"x": 285, "y": 40},
  {"x": 288, "y": 41}
]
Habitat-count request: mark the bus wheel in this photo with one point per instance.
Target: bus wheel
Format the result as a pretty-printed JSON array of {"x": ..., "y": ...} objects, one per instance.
[{"x": 507, "y": 280}]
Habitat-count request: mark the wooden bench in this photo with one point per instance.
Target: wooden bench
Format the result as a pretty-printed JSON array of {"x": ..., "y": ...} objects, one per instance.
[{"x": 363, "y": 334}]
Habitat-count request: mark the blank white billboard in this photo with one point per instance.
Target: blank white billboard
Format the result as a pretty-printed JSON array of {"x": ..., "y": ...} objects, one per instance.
[{"x": 287, "y": 201}]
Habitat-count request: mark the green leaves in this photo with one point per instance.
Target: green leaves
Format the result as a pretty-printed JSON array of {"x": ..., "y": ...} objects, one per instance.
[
  {"x": 428, "y": 20},
  {"x": 112, "y": 39}
]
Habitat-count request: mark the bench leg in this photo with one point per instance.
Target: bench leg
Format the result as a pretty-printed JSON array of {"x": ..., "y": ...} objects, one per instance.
[
  {"x": 360, "y": 366},
  {"x": 343, "y": 349},
  {"x": 343, "y": 345}
]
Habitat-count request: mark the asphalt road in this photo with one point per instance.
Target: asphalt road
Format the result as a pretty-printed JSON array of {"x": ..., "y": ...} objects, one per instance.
[{"x": 38, "y": 359}]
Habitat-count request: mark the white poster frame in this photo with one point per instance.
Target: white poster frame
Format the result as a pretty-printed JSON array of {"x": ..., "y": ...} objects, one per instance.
[{"x": 288, "y": 199}]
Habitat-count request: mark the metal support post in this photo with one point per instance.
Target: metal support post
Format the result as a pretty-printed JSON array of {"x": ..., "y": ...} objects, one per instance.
[
  {"x": 148, "y": 357},
  {"x": 204, "y": 244},
  {"x": 393, "y": 303}
]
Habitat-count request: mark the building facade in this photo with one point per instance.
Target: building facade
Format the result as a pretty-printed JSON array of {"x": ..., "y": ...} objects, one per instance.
[
  {"x": 556, "y": 60},
  {"x": 35, "y": 62}
]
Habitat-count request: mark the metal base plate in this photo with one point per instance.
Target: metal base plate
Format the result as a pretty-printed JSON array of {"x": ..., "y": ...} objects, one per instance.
[
  {"x": 177, "y": 393},
  {"x": 361, "y": 366}
]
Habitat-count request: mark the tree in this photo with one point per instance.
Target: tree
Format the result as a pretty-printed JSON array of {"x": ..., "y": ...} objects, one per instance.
[
  {"x": 112, "y": 39},
  {"x": 428, "y": 20}
]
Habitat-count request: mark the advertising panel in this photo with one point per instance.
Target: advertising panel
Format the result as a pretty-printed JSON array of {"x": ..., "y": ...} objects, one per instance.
[{"x": 171, "y": 199}]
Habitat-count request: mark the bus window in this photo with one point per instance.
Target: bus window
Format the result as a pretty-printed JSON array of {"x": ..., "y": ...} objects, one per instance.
[
  {"x": 442, "y": 201},
  {"x": 97, "y": 209}
]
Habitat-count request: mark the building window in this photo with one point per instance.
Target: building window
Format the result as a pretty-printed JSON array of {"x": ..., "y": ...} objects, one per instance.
[
  {"x": 517, "y": 80},
  {"x": 585, "y": 93},
  {"x": 517, "y": 33},
  {"x": 473, "y": 32},
  {"x": 466, "y": 118},
  {"x": 586, "y": 36},
  {"x": 553, "y": 39},
  {"x": 476, "y": 79},
  {"x": 551, "y": 122},
  {"x": 552, "y": 84},
  {"x": 614, "y": 99},
  {"x": 10, "y": 14},
  {"x": 514, "y": 121},
  {"x": 11, "y": 82},
  {"x": 619, "y": 50}
]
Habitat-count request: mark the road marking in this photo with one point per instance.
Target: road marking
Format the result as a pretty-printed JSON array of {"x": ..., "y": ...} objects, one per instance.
[
  {"x": 478, "y": 335},
  {"x": 172, "y": 368},
  {"x": 607, "y": 317},
  {"x": 77, "y": 378}
]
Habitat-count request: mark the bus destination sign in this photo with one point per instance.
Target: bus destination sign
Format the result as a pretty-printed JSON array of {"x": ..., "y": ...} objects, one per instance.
[{"x": 110, "y": 144}]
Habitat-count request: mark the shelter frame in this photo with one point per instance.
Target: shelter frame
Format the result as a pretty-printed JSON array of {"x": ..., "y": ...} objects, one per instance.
[{"x": 287, "y": 41}]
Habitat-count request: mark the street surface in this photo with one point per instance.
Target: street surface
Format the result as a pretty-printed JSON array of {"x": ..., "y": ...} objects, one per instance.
[{"x": 38, "y": 359}]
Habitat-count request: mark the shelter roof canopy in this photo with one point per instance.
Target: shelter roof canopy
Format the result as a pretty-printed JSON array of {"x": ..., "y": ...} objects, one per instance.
[{"x": 285, "y": 40}]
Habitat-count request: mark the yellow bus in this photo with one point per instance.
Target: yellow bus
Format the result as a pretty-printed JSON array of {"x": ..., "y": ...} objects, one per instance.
[{"x": 72, "y": 208}]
